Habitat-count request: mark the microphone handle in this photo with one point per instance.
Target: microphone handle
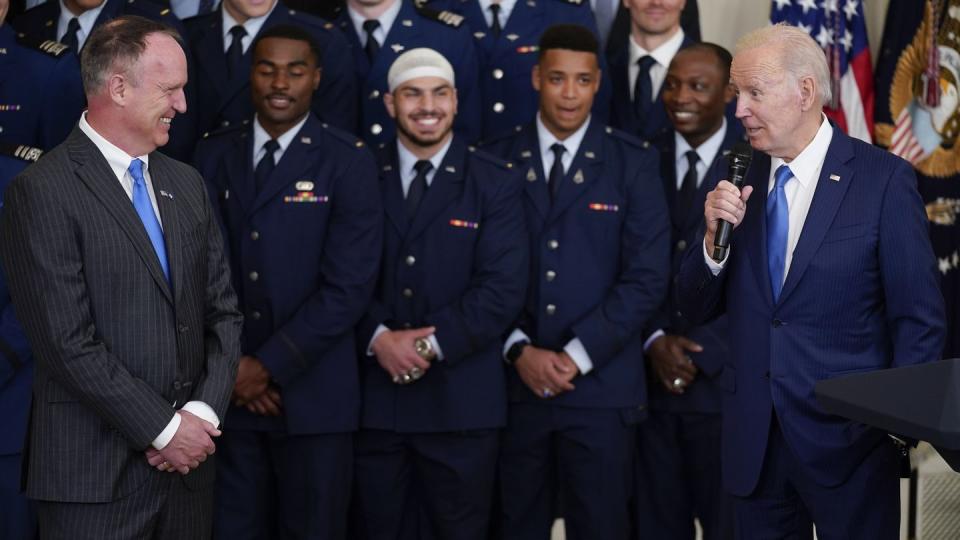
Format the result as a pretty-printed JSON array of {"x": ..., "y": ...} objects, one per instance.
[{"x": 721, "y": 242}]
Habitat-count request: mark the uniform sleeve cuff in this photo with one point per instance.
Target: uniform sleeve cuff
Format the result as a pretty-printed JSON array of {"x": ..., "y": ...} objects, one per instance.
[
  {"x": 578, "y": 353},
  {"x": 714, "y": 266},
  {"x": 515, "y": 336},
  {"x": 436, "y": 346},
  {"x": 653, "y": 337},
  {"x": 202, "y": 411},
  {"x": 163, "y": 439},
  {"x": 376, "y": 333}
]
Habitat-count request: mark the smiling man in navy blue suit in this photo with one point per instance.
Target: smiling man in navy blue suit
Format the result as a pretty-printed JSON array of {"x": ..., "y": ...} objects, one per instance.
[
  {"x": 300, "y": 210},
  {"x": 829, "y": 272},
  {"x": 679, "y": 444}
]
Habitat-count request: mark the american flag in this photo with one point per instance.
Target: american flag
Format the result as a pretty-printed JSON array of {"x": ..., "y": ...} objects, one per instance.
[{"x": 839, "y": 27}]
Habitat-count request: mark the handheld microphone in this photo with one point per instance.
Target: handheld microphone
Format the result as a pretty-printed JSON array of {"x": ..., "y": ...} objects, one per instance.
[{"x": 739, "y": 159}]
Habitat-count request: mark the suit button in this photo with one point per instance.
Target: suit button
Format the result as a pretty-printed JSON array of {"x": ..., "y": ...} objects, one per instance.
[
  {"x": 498, "y": 74},
  {"x": 182, "y": 328},
  {"x": 551, "y": 275},
  {"x": 408, "y": 293},
  {"x": 375, "y": 94},
  {"x": 376, "y": 129},
  {"x": 177, "y": 385},
  {"x": 255, "y": 315},
  {"x": 777, "y": 323},
  {"x": 255, "y": 235},
  {"x": 410, "y": 260},
  {"x": 498, "y": 107},
  {"x": 254, "y": 276},
  {"x": 551, "y": 309},
  {"x": 552, "y": 245},
  {"x": 681, "y": 245},
  {"x": 225, "y": 123}
]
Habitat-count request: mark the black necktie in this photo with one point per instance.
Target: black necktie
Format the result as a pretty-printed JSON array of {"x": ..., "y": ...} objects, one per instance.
[
  {"x": 70, "y": 38},
  {"x": 235, "y": 52},
  {"x": 266, "y": 164},
  {"x": 418, "y": 187},
  {"x": 371, "y": 47},
  {"x": 556, "y": 172},
  {"x": 688, "y": 189},
  {"x": 643, "y": 89},
  {"x": 495, "y": 25},
  {"x": 205, "y": 6}
]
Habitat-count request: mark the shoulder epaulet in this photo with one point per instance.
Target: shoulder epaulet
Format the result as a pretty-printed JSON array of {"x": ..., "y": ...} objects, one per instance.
[
  {"x": 308, "y": 19},
  {"x": 626, "y": 137},
  {"x": 343, "y": 136},
  {"x": 489, "y": 158},
  {"x": 20, "y": 151},
  {"x": 225, "y": 130},
  {"x": 46, "y": 46},
  {"x": 573, "y": 2},
  {"x": 501, "y": 136},
  {"x": 446, "y": 17}
]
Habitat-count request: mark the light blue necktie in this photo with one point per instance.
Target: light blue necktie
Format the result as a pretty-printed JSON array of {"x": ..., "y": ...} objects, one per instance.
[
  {"x": 141, "y": 203},
  {"x": 778, "y": 223}
]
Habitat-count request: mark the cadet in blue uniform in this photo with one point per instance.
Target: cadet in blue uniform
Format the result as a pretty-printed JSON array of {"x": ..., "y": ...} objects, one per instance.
[
  {"x": 301, "y": 213},
  {"x": 452, "y": 278},
  {"x": 507, "y": 46},
  {"x": 17, "y": 515},
  {"x": 41, "y": 96},
  {"x": 598, "y": 227},
  {"x": 638, "y": 65},
  {"x": 221, "y": 86},
  {"x": 679, "y": 443},
  {"x": 397, "y": 26}
]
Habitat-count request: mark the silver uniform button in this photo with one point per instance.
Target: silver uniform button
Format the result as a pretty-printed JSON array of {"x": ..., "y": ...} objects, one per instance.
[
  {"x": 376, "y": 129},
  {"x": 255, "y": 315},
  {"x": 408, "y": 293},
  {"x": 498, "y": 74},
  {"x": 254, "y": 235},
  {"x": 498, "y": 107},
  {"x": 254, "y": 276},
  {"x": 553, "y": 245},
  {"x": 551, "y": 275},
  {"x": 681, "y": 245},
  {"x": 410, "y": 260},
  {"x": 375, "y": 94},
  {"x": 551, "y": 309}
]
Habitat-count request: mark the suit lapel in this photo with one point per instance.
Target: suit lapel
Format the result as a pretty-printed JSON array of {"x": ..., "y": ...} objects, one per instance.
[
  {"x": 212, "y": 59},
  {"x": 165, "y": 194},
  {"x": 535, "y": 187},
  {"x": 755, "y": 223},
  {"x": 447, "y": 184},
  {"x": 405, "y": 29},
  {"x": 523, "y": 17},
  {"x": 392, "y": 188},
  {"x": 620, "y": 76},
  {"x": 826, "y": 201},
  {"x": 485, "y": 40},
  {"x": 293, "y": 165},
  {"x": 238, "y": 165},
  {"x": 94, "y": 171},
  {"x": 583, "y": 172}
]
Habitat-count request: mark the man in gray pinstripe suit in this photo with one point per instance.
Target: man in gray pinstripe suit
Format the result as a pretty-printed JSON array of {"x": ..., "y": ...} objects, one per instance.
[{"x": 118, "y": 274}]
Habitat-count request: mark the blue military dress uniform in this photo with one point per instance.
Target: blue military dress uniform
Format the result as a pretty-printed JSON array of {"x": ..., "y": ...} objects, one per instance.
[
  {"x": 679, "y": 444},
  {"x": 41, "y": 95},
  {"x": 506, "y": 62},
  {"x": 17, "y": 518},
  {"x": 415, "y": 27},
  {"x": 459, "y": 265},
  {"x": 598, "y": 273},
  {"x": 304, "y": 252},
  {"x": 216, "y": 101}
]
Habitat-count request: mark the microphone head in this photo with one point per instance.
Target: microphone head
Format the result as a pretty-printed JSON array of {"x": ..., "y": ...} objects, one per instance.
[{"x": 741, "y": 154}]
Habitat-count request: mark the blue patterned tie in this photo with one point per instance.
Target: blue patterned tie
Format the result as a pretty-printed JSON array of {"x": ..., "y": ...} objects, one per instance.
[
  {"x": 778, "y": 223},
  {"x": 141, "y": 203}
]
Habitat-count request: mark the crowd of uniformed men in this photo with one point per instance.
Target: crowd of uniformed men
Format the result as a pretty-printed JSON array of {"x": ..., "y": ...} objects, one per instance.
[{"x": 451, "y": 226}]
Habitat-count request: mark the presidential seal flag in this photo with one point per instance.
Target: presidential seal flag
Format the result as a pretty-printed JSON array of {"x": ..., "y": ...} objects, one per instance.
[
  {"x": 918, "y": 118},
  {"x": 840, "y": 29}
]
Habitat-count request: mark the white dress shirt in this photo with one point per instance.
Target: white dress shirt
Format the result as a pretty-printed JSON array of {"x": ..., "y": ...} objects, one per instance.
[
  {"x": 406, "y": 161},
  {"x": 86, "y": 20},
  {"x": 658, "y": 71},
  {"x": 799, "y": 191},
  {"x": 574, "y": 348},
  {"x": 506, "y": 8},
  {"x": 260, "y": 137},
  {"x": 252, "y": 26},
  {"x": 119, "y": 161},
  {"x": 385, "y": 19}
]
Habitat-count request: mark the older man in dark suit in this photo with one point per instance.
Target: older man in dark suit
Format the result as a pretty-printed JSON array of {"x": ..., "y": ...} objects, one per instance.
[{"x": 117, "y": 273}]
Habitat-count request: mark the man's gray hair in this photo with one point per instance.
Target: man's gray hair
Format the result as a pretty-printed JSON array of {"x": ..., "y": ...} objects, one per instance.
[
  {"x": 800, "y": 55},
  {"x": 116, "y": 46}
]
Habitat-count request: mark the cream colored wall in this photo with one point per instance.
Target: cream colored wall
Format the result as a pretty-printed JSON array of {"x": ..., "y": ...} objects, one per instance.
[{"x": 723, "y": 21}]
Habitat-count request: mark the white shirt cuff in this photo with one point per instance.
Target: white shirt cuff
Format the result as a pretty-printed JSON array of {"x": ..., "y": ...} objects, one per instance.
[
  {"x": 578, "y": 353},
  {"x": 376, "y": 333},
  {"x": 714, "y": 266},
  {"x": 515, "y": 336},
  {"x": 436, "y": 346},
  {"x": 653, "y": 337},
  {"x": 163, "y": 439},
  {"x": 197, "y": 408}
]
